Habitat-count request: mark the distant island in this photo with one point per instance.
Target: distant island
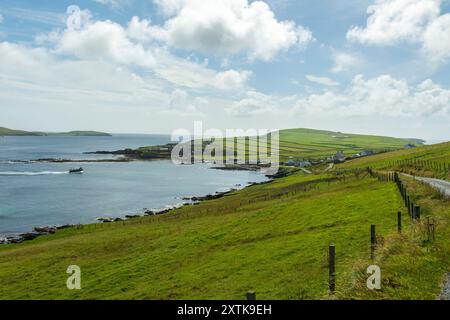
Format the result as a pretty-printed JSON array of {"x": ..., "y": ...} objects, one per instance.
[{"x": 12, "y": 132}]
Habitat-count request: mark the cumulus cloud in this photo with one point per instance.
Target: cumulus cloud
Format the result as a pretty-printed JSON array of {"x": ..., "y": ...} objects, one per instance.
[
  {"x": 322, "y": 80},
  {"x": 133, "y": 46},
  {"x": 104, "y": 40},
  {"x": 411, "y": 21},
  {"x": 38, "y": 75},
  {"x": 169, "y": 7},
  {"x": 230, "y": 27},
  {"x": 436, "y": 39},
  {"x": 391, "y": 21},
  {"x": 383, "y": 95},
  {"x": 256, "y": 103},
  {"x": 181, "y": 104},
  {"x": 344, "y": 61}
]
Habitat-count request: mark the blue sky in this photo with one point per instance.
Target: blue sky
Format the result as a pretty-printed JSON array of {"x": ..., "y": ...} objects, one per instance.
[{"x": 364, "y": 66}]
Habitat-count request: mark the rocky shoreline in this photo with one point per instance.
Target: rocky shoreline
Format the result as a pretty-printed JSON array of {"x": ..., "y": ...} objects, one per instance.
[{"x": 187, "y": 201}]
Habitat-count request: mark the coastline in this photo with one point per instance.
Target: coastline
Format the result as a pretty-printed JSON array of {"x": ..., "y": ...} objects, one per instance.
[{"x": 39, "y": 231}]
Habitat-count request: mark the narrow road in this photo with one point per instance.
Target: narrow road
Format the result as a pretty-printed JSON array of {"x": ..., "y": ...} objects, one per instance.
[
  {"x": 330, "y": 166},
  {"x": 441, "y": 185}
]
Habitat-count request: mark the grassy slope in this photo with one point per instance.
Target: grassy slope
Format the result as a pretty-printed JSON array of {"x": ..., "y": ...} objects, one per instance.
[
  {"x": 437, "y": 154},
  {"x": 270, "y": 238},
  {"x": 220, "y": 249},
  {"x": 318, "y": 144},
  {"x": 314, "y": 143}
]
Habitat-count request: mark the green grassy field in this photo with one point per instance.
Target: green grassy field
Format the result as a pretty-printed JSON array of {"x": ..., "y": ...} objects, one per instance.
[
  {"x": 427, "y": 161},
  {"x": 305, "y": 143},
  {"x": 300, "y": 144},
  {"x": 271, "y": 238}
]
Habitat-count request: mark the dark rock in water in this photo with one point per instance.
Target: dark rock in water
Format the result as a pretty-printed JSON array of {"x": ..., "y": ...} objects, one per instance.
[
  {"x": 105, "y": 219},
  {"x": 118, "y": 219},
  {"x": 149, "y": 212}
]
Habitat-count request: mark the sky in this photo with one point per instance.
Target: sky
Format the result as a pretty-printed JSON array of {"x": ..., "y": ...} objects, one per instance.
[{"x": 152, "y": 66}]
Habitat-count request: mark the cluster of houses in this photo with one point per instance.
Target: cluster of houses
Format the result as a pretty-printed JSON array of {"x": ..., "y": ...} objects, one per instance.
[{"x": 339, "y": 157}]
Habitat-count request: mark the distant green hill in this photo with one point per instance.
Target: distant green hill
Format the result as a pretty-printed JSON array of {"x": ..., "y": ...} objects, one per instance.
[
  {"x": 11, "y": 132},
  {"x": 298, "y": 144}
]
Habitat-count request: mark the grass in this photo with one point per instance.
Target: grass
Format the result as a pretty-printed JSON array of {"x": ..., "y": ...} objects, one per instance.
[
  {"x": 302, "y": 144},
  {"x": 435, "y": 159},
  {"x": 271, "y": 238}
]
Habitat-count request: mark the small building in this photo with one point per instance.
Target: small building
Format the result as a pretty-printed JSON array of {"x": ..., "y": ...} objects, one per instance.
[
  {"x": 366, "y": 153},
  {"x": 303, "y": 164},
  {"x": 339, "y": 157},
  {"x": 290, "y": 163}
]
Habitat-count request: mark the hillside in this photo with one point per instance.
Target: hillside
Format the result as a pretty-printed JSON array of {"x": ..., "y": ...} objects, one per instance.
[
  {"x": 271, "y": 238},
  {"x": 299, "y": 144},
  {"x": 309, "y": 143},
  {"x": 11, "y": 132}
]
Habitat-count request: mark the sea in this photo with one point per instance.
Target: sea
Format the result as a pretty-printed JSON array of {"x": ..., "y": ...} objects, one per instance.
[{"x": 36, "y": 194}]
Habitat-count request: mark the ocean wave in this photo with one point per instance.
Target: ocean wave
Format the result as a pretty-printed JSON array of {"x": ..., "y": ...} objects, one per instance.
[{"x": 41, "y": 173}]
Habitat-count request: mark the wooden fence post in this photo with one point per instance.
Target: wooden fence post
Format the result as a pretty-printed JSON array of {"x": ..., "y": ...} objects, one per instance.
[
  {"x": 251, "y": 295},
  {"x": 399, "y": 222},
  {"x": 332, "y": 268},
  {"x": 417, "y": 212}
]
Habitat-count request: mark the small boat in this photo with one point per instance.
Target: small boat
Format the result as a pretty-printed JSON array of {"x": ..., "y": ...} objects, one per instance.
[{"x": 79, "y": 170}]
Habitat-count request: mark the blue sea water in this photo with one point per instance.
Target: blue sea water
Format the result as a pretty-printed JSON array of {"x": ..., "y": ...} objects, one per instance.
[{"x": 45, "y": 194}]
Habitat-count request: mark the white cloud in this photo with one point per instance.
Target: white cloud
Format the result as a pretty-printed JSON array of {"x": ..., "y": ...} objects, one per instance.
[
  {"x": 383, "y": 96},
  {"x": 181, "y": 104},
  {"x": 254, "y": 104},
  {"x": 322, "y": 80},
  {"x": 231, "y": 79},
  {"x": 134, "y": 46},
  {"x": 230, "y": 27},
  {"x": 392, "y": 21},
  {"x": 170, "y": 7},
  {"x": 412, "y": 21},
  {"x": 38, "y": 75},
  {"x": 436, "y": 39},
  {"x": 142, "y": 30},
  {"x": 344, "y": 61},
  {"x": 104, "y": 40},
  {"x": 1, "y": 18}
]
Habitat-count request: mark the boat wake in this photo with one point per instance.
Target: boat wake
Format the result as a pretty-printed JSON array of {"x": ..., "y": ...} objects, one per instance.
[{"x": 41, "y": 173}]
